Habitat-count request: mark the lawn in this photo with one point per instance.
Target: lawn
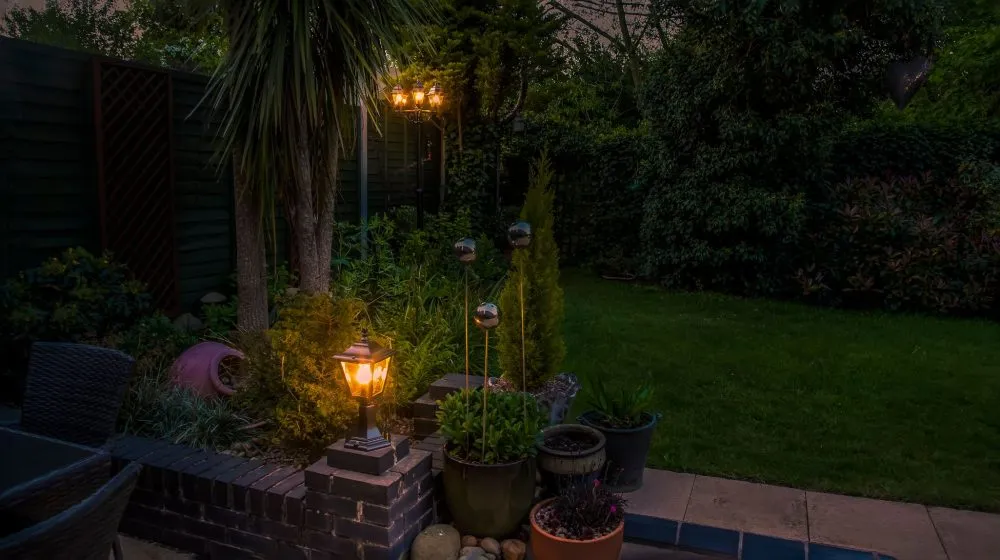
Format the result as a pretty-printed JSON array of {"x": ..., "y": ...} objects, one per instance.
[{"x": 889, "y": 406}]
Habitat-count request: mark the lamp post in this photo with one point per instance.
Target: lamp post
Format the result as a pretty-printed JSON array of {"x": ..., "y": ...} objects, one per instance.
[
  {"x": 418, "y": 106},
  {"x": 366, "y": 367}
]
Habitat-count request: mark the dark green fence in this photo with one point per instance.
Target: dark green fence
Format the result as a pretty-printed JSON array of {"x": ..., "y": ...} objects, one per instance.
[{"x": 49, "y": 194}]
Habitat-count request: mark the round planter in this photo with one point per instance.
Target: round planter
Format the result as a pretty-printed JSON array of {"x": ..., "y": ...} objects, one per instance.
[
  {"x": 627, "y": 449},
  {"x": 569, "y": 453},
  {"x": 488, "y": 500},
  {"x": 550, "y": 547}
]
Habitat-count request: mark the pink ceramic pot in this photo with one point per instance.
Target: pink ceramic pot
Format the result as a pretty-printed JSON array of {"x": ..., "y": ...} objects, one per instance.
[{"x": 198, "y": 368}]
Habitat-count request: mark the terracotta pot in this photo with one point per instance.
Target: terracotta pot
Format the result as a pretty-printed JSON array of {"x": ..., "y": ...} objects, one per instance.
[
  {"x": 545, "y": 546},
  {"x": 488, "y": 500}
]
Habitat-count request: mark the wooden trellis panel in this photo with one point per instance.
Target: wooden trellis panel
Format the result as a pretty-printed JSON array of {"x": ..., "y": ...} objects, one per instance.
[{"x": 133, "y": 125}]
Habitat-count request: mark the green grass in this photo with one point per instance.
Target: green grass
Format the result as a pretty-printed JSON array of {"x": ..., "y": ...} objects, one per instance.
[{"x": 889, "y": 406}]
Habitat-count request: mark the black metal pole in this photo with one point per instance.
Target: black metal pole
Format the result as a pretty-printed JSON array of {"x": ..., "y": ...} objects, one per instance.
[{"x": 420, "y": 176}]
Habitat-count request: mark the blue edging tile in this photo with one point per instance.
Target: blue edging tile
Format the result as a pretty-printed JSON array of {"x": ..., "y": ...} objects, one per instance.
[
  {"x": 650, "y": 529},
  {"x": 827, "y": 552},
  {"x": 760, "y": 547},
  {"x": 886, "y": 557},
  {"x": 709, "y": 538}
]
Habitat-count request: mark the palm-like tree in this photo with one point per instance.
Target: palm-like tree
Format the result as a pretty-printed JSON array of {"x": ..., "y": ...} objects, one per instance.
[{"x": 288, "y": 90}]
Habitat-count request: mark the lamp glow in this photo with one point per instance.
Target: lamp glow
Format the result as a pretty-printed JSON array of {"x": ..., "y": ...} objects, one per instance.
[{"x": 366, "y": 368}]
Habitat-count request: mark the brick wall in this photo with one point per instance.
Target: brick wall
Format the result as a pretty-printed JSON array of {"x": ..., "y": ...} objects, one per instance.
[{"x": 224, "y": 507}]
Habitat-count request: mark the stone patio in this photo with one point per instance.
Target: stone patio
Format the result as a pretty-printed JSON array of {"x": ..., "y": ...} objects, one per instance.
[{"x": 753, "y": 512}]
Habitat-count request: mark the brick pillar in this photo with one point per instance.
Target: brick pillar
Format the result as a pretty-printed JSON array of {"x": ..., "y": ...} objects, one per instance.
[{"x": 368, "y": 505}]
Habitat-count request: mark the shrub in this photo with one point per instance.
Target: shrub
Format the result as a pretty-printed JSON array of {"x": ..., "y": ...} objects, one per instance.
[
  {"x": 153, "y": 341},
  {"x": 536, "y": 268},
  {"x": 292, "y": 379},
  {"x": 626, "y": 407},
  {"x": 506, "y": 432},
  {"x": 220, "y": 318},
  {"x": 741, "y": 106},
  {"x": 71, "y": 296},
  {"x": 411, "y": 287},
  {"x": 913, "y": 243}
]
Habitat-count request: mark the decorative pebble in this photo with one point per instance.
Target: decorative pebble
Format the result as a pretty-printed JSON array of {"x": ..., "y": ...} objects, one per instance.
[
  {"x": 437, "y": 542},
  {"x": 490, "y": 545},
  {"x": 488, "y": 556},
  {"x": 513, "y": 549},
  {"x": 469, "y": 540}
]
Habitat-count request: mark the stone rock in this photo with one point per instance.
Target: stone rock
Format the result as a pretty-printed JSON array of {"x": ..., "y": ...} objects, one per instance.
[
  {"x": 213, "y": 297},
  {"x": 469, "y": 540},
  {"x": 188, "y": 322},
  {"x": 471, "y": 552},
  {"x": 291, "y": 292},
  {"x": 488, "y": 556},
  {"x": 437, "y": 542},
  {"x": 490, "y": 545},
  {"x": 514, "y": 549}
]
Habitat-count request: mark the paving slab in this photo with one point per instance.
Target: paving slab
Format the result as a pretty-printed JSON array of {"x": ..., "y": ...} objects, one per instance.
[
  {"x": 902, "y": 530},
  {"x": 750, "y": 507},
  {"x": 664, "y": 494},
  {"x": 634, "y": 551},
  {"x": 967, "y": 535}
]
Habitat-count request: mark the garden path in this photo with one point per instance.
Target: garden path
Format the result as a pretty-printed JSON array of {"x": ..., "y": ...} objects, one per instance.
[{"x": 730, "y": 515}]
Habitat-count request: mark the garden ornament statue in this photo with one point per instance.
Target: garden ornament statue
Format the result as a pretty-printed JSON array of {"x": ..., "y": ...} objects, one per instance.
[
  {"x": 487, "y": 318},
  {"x": 465, "y": 251},
  {"x": 366, "y": 368}
]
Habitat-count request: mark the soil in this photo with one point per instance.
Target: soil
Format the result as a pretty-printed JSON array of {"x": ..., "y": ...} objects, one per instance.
[
  {"x": 570, "y": 443},
  {"x": 545, "y": 518}
]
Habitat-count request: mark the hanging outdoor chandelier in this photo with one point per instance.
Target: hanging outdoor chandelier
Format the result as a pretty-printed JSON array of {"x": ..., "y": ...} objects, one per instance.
[{"x": 417, "y": 105}]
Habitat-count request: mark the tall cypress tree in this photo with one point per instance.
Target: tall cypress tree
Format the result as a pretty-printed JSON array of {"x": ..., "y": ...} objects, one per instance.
[{"x": 538, "y": 267}]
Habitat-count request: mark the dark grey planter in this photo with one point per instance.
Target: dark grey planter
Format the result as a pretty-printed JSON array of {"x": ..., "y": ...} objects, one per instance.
[{"x": 627, "y": 450}]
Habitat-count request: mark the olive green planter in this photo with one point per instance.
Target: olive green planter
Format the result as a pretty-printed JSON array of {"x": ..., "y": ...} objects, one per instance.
[{"x": 488, "y": 500}]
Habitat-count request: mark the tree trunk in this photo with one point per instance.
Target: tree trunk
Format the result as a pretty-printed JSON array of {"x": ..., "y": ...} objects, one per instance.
[
  {"x": 251, "y": 259},
  {"x": 303, "y": 217},
  {"x": 325, "y": 221}
]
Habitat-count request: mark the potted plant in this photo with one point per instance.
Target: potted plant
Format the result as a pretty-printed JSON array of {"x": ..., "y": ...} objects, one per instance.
[
  {"x": 489, "y": 460},
  {"x": 625, "y": 419},
  {"x": 531, "y": 345},
  {"x": 586, "y": 520},
  {"x": 569, "y": 454}
]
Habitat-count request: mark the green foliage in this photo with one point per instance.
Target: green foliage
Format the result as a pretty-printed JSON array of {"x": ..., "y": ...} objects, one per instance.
[
  {"x": 153, "y": 341},
  {"x": 156, "y": 408},
  {"x": 292, "y": 379},
  {"x": 158, "y": 32},
  {"x": 69, "y": 297},
  {"x": 621, "y": 407},
  {"x": 411, "y": 287},
  {"x": 94, "y": 26},
  {"x": 504, "y": 429},
  {"x": 220, "y": 318},
  {"x": 535, "y": 272},
  {"x": 746, "y": 93},
  {"x": 912, "y": 243}
]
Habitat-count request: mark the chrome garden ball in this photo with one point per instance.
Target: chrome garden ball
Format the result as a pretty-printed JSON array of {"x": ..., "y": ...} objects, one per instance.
[
  {"x": 487, "y": 316},
  {"x": 465, "y": 250},
  {"x": 519, "y": 235}
]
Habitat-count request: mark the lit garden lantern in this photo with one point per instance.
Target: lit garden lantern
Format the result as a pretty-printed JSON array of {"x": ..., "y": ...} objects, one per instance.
[
  {"x": 366, "y": 367},
  {"x": 417, "y": 105}
]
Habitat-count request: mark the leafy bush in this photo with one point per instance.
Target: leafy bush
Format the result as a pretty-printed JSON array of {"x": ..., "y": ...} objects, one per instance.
[
  {"x": 292, "y": 379},
  {"x": 536, "y": 269},
  {"x": 626, "y": 407},
  {"x": 914, "y": 243},
  {"x": 71, "y": 296},
  {"x": 154, "y": 342},
  {"x": 504, "y": 429},
  {"x": 742, "y": 106},
  {"x": 411, "y": 287}
]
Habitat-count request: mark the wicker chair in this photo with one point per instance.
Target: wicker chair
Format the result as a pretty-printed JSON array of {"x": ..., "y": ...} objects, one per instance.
[
  {"x": 49, "y": 495},
  {"x": 74, "y": 391},
  {"x": 86, "y": 531}
]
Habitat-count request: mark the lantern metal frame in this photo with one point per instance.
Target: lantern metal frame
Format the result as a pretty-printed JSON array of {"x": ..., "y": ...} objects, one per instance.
[
  {"x": 417, "y": 105},
  {"x": 367, "y": 436}
]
